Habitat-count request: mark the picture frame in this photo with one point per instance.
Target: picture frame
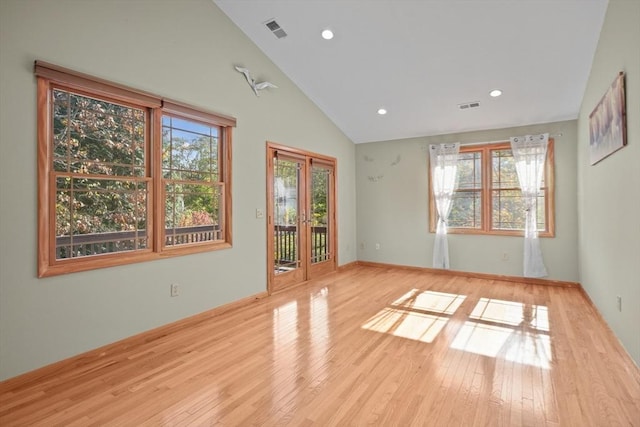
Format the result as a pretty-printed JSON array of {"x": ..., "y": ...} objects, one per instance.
[{"x": 608, "y": 122}]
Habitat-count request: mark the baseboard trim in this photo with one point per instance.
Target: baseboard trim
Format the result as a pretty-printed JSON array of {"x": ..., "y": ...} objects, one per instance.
[
  {"x": 348, "y": 266},
  {"x": 487, "y": 276},
  {"x": 120, "y": 346}
]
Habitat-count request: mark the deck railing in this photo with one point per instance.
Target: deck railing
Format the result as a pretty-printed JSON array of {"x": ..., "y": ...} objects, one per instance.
[
  {"x": 119, "y": 241},
  {"x": 285, "y": 241},
  {"x": 285, "y": 244}
]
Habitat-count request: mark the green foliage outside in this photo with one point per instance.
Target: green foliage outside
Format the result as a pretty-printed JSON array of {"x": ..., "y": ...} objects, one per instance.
[
  {"x": 107, "y": 141},
  {"x": 99, "y": 138},
  {"x": 319, "y": 196},
  {"x": 466, "y": 209},
  {"x": 190, "y": 153}
]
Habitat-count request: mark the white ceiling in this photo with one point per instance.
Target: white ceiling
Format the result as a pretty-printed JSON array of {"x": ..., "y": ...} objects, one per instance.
[{"x": 419, "y": 59}]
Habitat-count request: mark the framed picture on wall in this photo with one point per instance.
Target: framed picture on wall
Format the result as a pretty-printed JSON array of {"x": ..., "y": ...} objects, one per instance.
[{"x": 607, "y": 122}]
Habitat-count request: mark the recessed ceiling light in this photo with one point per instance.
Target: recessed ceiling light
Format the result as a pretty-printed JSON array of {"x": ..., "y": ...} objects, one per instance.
[
  {"x": 495, "y": 93},
  {"x": 382, "y": 111},
  {"x": 327, "y": 34}
]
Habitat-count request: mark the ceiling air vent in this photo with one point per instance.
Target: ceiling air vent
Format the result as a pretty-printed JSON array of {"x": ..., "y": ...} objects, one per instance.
[
  {"x": 467, "y": 105},
  {"x": 275, "y": 28}
]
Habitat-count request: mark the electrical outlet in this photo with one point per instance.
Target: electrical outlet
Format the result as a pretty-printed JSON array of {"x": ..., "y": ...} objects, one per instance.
[
  {"x": 619, "y": 301},
  {"x": 259, "y": 213},
  {"x": 175, "y": 289},
  {"x": 377, "y": 246}
]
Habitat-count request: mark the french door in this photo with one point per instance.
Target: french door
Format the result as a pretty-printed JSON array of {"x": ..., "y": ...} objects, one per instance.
[{"x": 300, "y": 216}]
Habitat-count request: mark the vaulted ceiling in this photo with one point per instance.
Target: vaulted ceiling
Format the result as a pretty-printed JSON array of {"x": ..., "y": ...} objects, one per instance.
[{"x": 420, "y": 59}]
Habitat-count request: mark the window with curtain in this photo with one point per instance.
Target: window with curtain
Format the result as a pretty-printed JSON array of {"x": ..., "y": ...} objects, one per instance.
[{"x": 488, "y": 199}]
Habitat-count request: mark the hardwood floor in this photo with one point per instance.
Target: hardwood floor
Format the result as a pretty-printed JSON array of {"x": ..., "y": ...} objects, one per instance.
[{"x": 377, "y": 346}]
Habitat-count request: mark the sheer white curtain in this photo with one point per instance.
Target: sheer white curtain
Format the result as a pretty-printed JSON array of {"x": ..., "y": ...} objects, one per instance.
[
  {"x": 444, "y": 174},
  {"x": 530, "y": 153}
]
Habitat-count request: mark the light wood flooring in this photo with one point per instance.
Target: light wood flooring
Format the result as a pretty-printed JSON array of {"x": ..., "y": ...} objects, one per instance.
[{"x": 378, "y": 346}]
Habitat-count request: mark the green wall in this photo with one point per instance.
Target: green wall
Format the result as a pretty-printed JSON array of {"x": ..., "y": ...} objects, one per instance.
[
  {"x": 609, "y": 191},
  {"x": 184, "y": 50},
  {"x": 392, "y": 198}
]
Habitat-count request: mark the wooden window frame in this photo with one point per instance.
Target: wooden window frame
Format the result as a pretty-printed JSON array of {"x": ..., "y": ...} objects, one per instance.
[
  {"x": 50, "y": 77},
  {"x": 487, "y": 197},
  {"x": 224, "y": 124}
]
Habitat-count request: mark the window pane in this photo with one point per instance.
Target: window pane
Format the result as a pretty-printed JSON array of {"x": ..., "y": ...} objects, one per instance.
[
  {"x": 97, "y": 137},
  {"x": 189, "y": 150},
  {"x": 193, "y": 213},
  {"x": 466, "y": 211},
  {"x": 469, "y": 171},
  {"x": 508, "y": 211},
  {"x": 95, "y": 216},
  {"x": 503, "y": 174},
  {"x": 190, "y": 163}
]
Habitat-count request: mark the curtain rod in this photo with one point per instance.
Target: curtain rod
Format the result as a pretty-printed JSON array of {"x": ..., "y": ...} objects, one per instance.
[{"x": 466, "y": 144}]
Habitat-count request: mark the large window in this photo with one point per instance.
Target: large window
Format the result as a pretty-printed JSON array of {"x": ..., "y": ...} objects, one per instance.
[
  {"x": 125, "y": 176},
  {"x": 488, "y": 199}
]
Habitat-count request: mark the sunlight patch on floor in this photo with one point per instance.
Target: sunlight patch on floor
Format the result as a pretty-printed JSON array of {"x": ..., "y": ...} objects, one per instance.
[
  {"x": 438, "y": 302},
  {"x": 512, "y": 313},
  {"x": 417, "y": 315},
  {"x": 406, "y": 324},
  {"x": 509, "y": 330}
]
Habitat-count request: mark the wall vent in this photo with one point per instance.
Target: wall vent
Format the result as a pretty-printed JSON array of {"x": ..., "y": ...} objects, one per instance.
[
  {"x": 467, "y": 105},
  {"x": 275, "y": 28}
]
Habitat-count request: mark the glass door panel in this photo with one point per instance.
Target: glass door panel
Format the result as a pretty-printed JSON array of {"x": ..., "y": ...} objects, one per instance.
[
  {"x": 321, "y": 222},
  {"x": 320, "y": 209},
  {"x": 286, "y": 196}
]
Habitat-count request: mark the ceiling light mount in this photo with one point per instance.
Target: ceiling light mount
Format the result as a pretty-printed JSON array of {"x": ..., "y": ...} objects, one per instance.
[
  {"x": 495, "y": 93},
  {"x": 327, "y": 34}
]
